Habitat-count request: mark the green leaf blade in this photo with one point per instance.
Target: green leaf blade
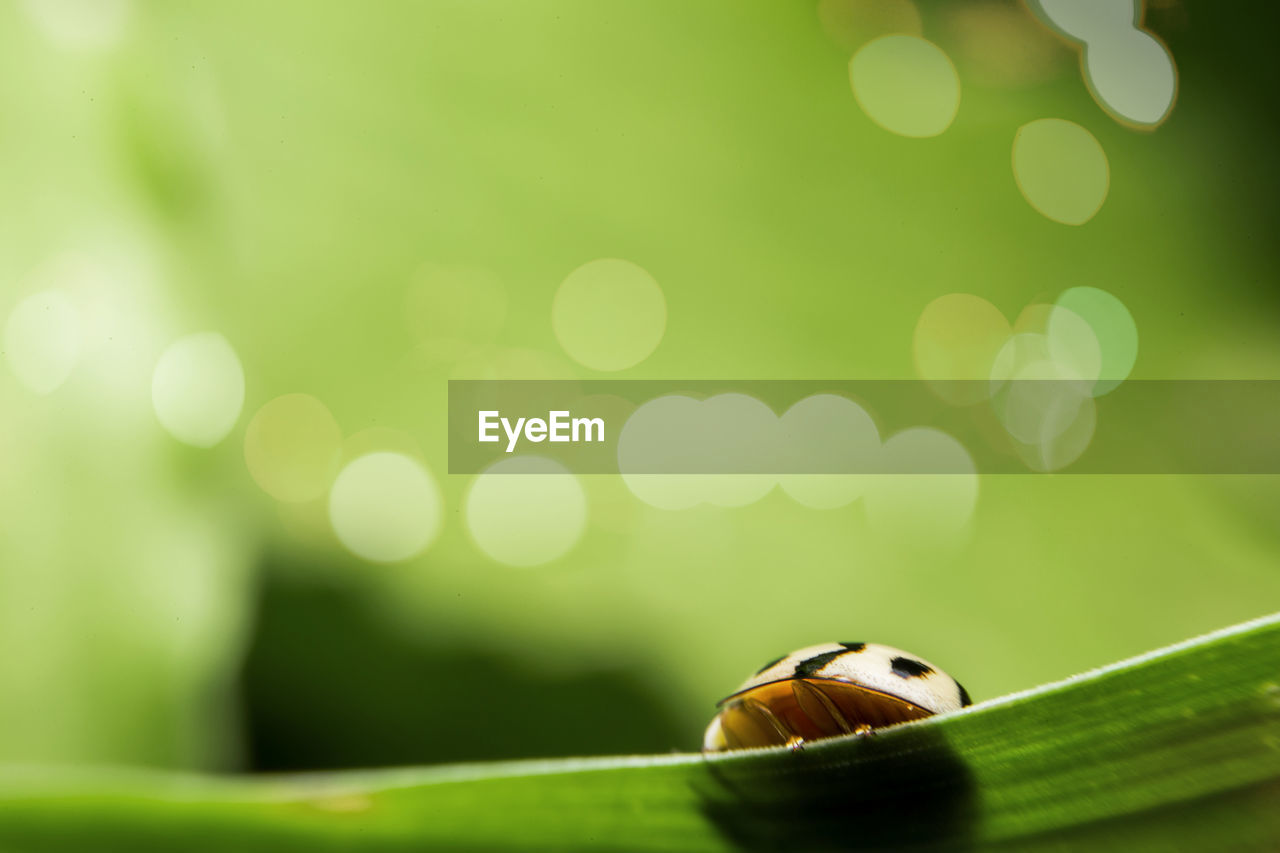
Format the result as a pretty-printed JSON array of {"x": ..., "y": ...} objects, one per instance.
[{"x": 1177, "y": 749}]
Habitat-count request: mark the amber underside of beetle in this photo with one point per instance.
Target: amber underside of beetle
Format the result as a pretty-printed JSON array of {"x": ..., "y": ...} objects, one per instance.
[{"x": 804, "y": 709}]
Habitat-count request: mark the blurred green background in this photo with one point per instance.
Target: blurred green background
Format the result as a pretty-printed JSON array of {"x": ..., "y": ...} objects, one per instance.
[{"x": 365, "y": 201}]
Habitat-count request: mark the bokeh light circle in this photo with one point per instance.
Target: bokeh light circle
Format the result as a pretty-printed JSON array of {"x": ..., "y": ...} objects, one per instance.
[
  {"x": 526, "y": 511},
  {"x": 1090, "y": 20},
  {"x": 935, "y": 504},
  {"x": 1041, "y": 401},
  {"x": 656, "y": 437},
  {"x": 1132, "y": 76},
  {"x": 42, "y": 340},
  {"x": 1116, "y": 332},
  {"x": 906, "y": 84},
  {"x": 827, "y": 433},
  {"x": 1073, "y": 345},
  {"x": 956, "y": 341},
  {"x": 197, "y": 389},
  {"x": 722, "y": 440},
  {"x": 731, "y": 431},
  {"x": 385, "y": 507},
  {"x": 292, "y": 447},
  {"x": 1057, "y": 451},
  {"x": 609, "y": 314},
  {"x": 1018, "y": 351},
  {"x": 1061, "y": 170}
]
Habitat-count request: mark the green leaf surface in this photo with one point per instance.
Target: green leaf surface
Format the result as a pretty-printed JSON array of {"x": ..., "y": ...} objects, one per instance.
[{"x": 1178, "y": 749}]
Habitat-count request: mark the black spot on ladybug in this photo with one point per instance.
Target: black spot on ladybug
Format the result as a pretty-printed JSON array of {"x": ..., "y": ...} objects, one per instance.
[
  {"x": 909, "y": 667},
  {"x": 770, "y": 664},
  {"x": 965, "y": 701},
  {"x": 809, "y": 668},
  {"x": 854, "y": 647}
]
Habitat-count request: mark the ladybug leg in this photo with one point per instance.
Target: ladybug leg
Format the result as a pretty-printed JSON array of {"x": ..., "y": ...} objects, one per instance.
[
  {"x": 762, "y": 714},
  {"x": 795, "y": 743},
  {"x": 820, "y": 709},
  {"x": 864, "y": 730}
]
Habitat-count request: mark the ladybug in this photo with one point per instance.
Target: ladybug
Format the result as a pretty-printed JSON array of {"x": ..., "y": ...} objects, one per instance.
[{"x": 830, "y": 690}]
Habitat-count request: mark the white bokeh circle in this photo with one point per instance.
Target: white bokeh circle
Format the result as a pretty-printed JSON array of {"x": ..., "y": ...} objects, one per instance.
[
  {"x": 197, "y": 389},
  {"x": 385, "y": 507},
  {"x": 526, "y": 511}
]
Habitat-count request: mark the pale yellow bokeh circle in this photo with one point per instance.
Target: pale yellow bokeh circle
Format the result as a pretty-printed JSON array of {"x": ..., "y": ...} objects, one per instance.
[
  {"x": 609, "y": 314},
  {"x": 292, "y": 447},
  {"x": 385, "y": 507},
  {"x": 955, "y": 345},
  {"x": 526, "y": 511},
  {"x": 1061, "y": 170},
  {"x": 906, "y": 84}
]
